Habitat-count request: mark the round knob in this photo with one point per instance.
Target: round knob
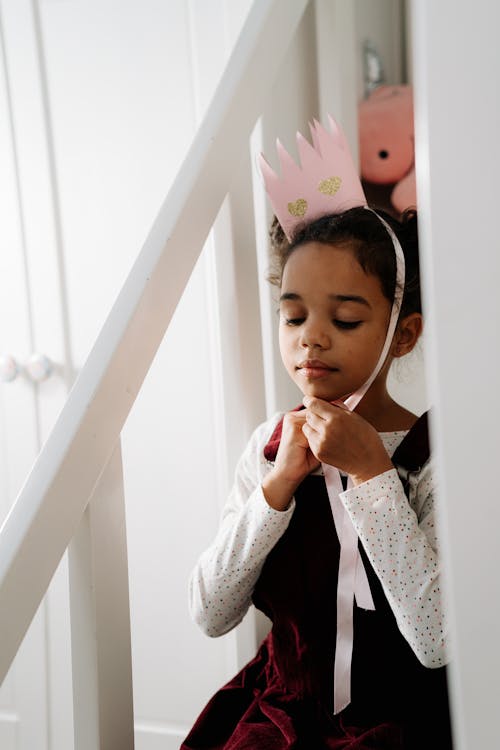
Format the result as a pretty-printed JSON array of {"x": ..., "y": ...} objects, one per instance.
[
  {"x": 39, "y": 367},
  {"x": 9, "y": 369}
]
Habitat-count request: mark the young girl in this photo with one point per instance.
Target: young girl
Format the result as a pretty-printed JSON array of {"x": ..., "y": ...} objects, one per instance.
[{"x": 330, "y": 526}]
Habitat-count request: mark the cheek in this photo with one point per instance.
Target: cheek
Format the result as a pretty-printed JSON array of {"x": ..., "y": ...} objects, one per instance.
[
  {"x": 286, "y": 343},
  {"x": 379, "y": 337},
  {"x": 366, "y": 349},
  {"x": 384, "y": 327},
  {"x": 377, "y": 340}
]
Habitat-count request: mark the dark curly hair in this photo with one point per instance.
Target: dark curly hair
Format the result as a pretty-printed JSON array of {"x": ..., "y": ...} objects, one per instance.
[{"x": 370, "y": 242}]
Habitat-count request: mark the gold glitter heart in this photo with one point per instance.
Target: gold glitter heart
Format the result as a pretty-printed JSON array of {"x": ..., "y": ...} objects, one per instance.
[
  {"x": 298, "y": 208},
  {"x": 330, "y": 186}
]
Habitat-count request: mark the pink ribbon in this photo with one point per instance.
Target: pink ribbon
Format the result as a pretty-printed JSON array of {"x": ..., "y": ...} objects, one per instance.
[{"x": 352, "y": 579}]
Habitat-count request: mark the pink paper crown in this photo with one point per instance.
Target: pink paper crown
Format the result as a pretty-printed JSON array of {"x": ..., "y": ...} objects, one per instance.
[{"x": 326, "y": 182}]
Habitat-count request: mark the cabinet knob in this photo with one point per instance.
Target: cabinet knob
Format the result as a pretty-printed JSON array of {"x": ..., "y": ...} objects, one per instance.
[
  {"x": 39, "y": 367},
  {"x": 9, "y": 369}
]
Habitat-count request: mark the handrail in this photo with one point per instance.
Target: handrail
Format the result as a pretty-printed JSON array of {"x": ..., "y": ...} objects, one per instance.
[{"x": 50, "y": 505}]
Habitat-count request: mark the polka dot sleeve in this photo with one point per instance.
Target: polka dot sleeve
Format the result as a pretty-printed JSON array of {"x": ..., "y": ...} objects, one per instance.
[
  {"x": 222, "y": 582},
  {"x": 399, "y": 537}
]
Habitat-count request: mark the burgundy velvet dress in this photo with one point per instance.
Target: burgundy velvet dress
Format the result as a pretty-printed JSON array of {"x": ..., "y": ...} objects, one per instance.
[{"x": 283, "y": 698}]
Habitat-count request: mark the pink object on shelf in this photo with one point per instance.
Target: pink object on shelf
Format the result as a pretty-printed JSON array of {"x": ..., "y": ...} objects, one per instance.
[{"x": 386, "y": 142}]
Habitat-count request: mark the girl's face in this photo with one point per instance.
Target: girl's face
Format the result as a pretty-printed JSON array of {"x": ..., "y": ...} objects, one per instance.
[{"x": 333, "y": 321}]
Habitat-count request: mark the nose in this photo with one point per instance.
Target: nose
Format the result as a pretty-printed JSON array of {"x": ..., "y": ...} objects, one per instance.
[{"x": 314, "y": 334}]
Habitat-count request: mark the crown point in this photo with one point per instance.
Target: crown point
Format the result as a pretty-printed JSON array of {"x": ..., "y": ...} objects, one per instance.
[
  {"x": 314, "y": 134},
  {"x": 300, "y": 139},
  {"x": 262, "y": 162},
  {"x": 338, "y": 133},
  {"x": 288, "y": 166},
  {"x": 307, "y": 153},
  {"x": 269, "y": 176}
]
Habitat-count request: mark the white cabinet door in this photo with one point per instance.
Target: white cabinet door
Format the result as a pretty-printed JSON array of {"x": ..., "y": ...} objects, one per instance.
[
  {"x": 35, "y": 697},
  {"x": 23, "y": 716}
]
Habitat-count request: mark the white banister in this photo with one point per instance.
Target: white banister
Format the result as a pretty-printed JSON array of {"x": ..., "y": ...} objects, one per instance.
[
  {"x": 50, "y": 506},
  {"x": 457, "y": 79},
  {"x": 100, "y": 619}
]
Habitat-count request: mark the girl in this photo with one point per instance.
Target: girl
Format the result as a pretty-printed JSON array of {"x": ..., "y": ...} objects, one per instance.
[{"x": 337, "y": 494}]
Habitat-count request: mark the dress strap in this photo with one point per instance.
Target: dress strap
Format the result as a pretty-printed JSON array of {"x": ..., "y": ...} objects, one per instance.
[{"x": 414, "y": 449}]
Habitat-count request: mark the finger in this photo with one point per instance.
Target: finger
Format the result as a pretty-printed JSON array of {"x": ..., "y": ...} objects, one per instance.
[
  {"x": 340, "y": 405},
  {"x": 300, "y": 438},
  {"x": 296, "y": 417},
  {"x": 292, "y": 429},
  {"x": 316, "y": 422},
  {"x": 313, "y": 437},
  {"x": 307, "y": 431},
  {"x": 318, "y": 406},
  {"x": 310, "y": 436}
]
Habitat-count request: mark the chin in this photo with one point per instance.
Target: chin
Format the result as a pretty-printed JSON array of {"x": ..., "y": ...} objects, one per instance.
[{"x": 326, "y": 394}]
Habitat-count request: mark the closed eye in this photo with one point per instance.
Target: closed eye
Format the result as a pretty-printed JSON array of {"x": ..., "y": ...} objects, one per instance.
[
  {"x": 347, "y": 325},
  {"x": 294, "y": 321}
]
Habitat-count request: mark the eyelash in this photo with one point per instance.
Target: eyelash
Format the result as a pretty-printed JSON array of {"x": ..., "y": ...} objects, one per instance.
[
  {"x": 294, "y": 321},
  {"x": 347, "y": 325},
  {"x": 344, "y": 325}
]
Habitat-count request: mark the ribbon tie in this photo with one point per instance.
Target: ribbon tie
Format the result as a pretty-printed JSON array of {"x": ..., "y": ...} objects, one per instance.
[
  {"x": 352, "y": 583},
  {"x": 352, "y": 579}
]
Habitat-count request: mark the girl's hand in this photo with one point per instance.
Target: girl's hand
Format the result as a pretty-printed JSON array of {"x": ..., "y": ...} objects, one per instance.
[
  {"x": 343, "y": 439},
  {"x": 294, "y": 461}
]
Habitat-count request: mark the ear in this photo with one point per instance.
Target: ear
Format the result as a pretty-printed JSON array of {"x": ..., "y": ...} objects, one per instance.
[{"x": 407, "y": 334}]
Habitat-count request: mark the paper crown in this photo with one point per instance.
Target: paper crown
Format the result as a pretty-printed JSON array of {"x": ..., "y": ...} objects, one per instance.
[{"x": 326, "y": 182}]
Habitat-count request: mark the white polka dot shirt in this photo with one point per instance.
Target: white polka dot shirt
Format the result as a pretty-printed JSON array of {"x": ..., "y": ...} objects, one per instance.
[{"x": 397, "y": 533}]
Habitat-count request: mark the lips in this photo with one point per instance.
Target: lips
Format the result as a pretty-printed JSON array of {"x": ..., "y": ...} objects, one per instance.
[{"x": 315, "y": 368}]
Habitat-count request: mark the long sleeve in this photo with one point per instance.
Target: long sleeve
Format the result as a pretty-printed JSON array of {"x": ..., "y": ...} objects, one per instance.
[
  {"x": 222, "y": 582},
  {"x": 399, "y": 537}
]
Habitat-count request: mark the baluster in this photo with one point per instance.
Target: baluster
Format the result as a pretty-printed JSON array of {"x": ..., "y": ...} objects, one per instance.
[{"x": 100, "y": 619}]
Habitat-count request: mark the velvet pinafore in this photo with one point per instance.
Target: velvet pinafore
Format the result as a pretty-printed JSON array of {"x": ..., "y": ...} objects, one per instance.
[{"x": 283, "y": 699}]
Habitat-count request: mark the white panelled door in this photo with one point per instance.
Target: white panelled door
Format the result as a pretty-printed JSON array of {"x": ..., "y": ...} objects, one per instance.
[
  {"x": 35, "y": 697},
  {"x": 89, "y": 133},
  {"x": 18, "y": 435}
]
